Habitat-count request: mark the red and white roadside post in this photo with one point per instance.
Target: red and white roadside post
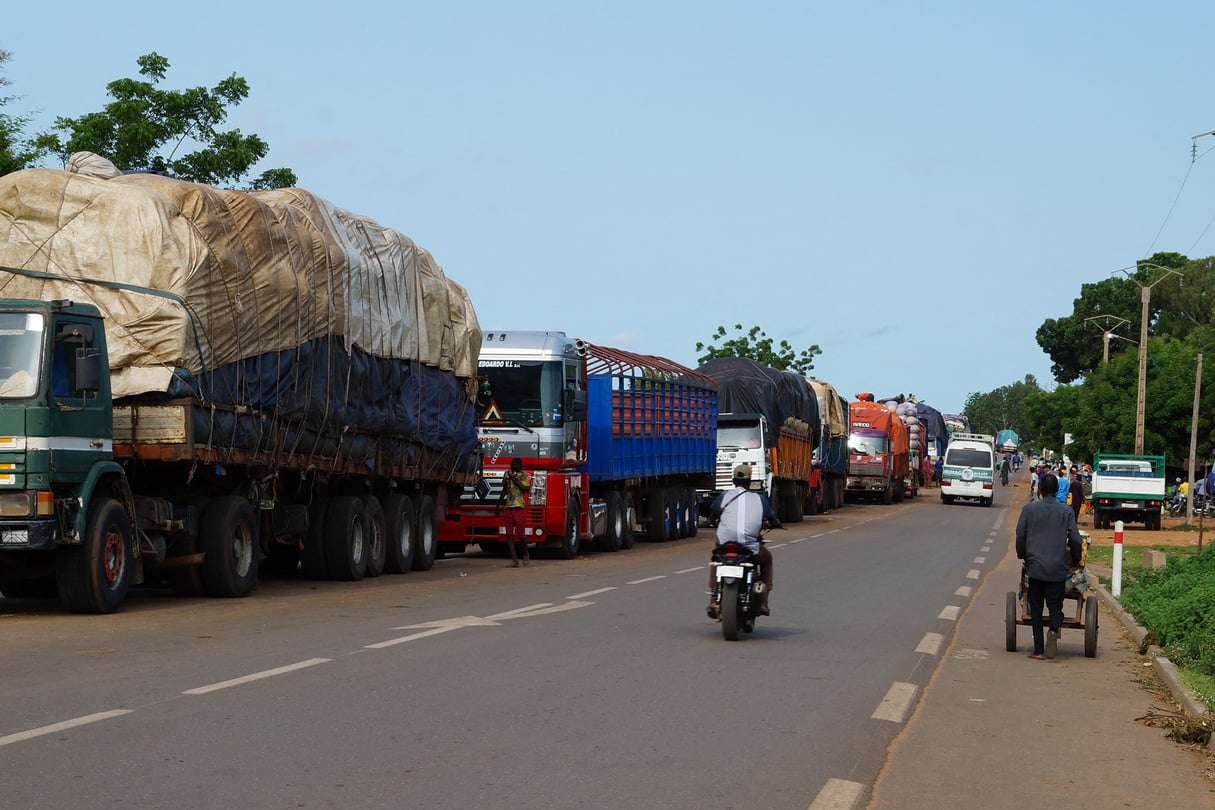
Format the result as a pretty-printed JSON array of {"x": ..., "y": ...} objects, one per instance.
[{"x": 1118, "y": 527}]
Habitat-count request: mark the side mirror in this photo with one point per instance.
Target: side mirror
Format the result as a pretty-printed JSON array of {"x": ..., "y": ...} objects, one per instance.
[{"x": 88, "y": 370}]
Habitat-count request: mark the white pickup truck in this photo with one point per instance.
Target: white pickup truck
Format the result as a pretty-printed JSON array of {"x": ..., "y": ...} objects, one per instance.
[{"x": 1128, "y": 488}]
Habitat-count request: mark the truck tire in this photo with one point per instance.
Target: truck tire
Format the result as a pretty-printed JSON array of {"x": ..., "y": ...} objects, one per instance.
[
  {"x": 426, "y": 545},
  {"x": 613, "y": 537},
  {"x": 346, "y": 539},
  {"x": 185, "y": 580},
  {"x": 398, "y": 528},
  {"x": 95, "y": 576},
  {"x": 888, "y": 493},
  {"x": 812, "y": 499},
  {"x": 228, "y": 538},
  {"x": 693, "y": 513},
  {"x": 569, "y": 538},
  {"x": 679, "y": 515},
  {"x": 377, "y": 536},
  {"x": 658, "y": 515},
  {"x": 312, "y": 555},
  {"x": 629, "y": 538}
]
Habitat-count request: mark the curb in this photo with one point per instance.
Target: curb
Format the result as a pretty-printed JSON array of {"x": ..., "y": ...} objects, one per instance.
[{"x": 1190, "y": 702}]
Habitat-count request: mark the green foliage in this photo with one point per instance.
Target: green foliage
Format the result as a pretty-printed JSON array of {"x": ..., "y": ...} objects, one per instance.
[
  {"x": 17, "y": 151},
  {"x": 147, "y": 128},
  {"x": 756, "y": 345},
  {"x": 1177, "y": 603},
  {"x": 1001, "y": 409}
]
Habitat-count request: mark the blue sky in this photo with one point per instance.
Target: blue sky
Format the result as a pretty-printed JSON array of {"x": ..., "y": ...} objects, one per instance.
[{"x": 914, "y": 187}]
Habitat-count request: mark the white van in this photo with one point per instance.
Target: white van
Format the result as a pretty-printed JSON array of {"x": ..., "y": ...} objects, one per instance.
[{"x": 969, "y": 469}]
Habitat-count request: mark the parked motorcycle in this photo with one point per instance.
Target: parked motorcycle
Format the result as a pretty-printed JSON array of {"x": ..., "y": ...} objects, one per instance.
[{"x": 739, "y": 590}]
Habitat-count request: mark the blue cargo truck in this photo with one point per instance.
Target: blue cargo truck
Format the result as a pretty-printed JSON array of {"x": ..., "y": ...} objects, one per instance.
[{"x": 616, "y": 442}]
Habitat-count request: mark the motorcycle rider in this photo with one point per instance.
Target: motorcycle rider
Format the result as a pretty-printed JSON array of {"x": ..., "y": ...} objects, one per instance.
[{"x": 740, "y": 514}]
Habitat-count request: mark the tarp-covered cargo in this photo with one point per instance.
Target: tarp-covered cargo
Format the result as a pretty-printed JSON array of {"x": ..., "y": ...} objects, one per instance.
[
  {"x": 745, "y": 386},
  {"x": 934, "y": 424},
  {"x": 833, "y": 409},
  {"x": 275, "y": 301}
]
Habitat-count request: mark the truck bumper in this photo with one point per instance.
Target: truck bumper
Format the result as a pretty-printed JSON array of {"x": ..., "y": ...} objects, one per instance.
[
  {"x": 482, "y": 524},
  {"x": 866, "y": 484},
  {"x": 28, "y": 536}
]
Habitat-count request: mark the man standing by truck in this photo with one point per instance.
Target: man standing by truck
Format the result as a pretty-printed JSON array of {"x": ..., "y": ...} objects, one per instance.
[
  {"x": 515, "y": 486},
  {"x": 1049, "y": 542}
]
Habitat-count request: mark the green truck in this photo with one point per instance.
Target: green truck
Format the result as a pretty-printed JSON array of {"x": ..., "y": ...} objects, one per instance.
[{"x": 1129, "y": 488}]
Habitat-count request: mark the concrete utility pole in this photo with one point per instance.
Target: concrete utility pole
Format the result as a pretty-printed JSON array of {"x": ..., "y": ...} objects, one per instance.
[
  {"x": 1107, "y": 324},
  {"x": 1145, "y": 297},
  {"x": 1189, "y": 501}
]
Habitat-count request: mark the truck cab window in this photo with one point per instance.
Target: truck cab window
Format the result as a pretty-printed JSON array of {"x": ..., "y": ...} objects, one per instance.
[{"x": 21, "y": 336}]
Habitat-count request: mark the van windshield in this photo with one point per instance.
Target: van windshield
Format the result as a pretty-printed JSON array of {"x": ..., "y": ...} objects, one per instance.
[{"x": 963, "y": 457}]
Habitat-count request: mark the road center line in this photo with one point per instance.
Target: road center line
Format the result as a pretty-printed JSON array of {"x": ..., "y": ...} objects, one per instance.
[
  {"x": 647, "y": 579},
  {"x": 591, "y": 593},
  {"x": 896, "y": 703},
  {"x": 776, "y": 545},
  {"x": 257, "y": 676},
  {"x": 22, "y": 736},
  {"x": 839, "y": 794},
  {"x": 392, "y": 642},
  {"x": 690, "y": 570}
]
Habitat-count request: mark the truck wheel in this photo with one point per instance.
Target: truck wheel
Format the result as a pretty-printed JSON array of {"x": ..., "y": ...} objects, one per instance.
[
  {"x": 312, "y": 556},
  {"x": 693, "y": 513},
  {"x": 398, "y": 528},
  {"x": 346, "y": 539},
  {"x": 657, "y": 511},
  {"x": 1090, "y": 626},
  {"x": 569, "y": 540},
  {"x": 227, "y": 535},
  {"x": 679, "y": 515},
  {"x": 426, "y": 547},
  {"x": 94, "y": 577},
  {"x": 613, "y": 537},
  {"x": 888, "y": 493},
  {"x": 630, "y": 522},
  {"x": 377, "y": 537}
]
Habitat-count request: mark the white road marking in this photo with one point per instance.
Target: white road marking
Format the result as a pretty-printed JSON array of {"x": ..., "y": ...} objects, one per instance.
[
  {"x": 820, "y": 534},
  {"x": 980, "y": 560},
  {"x": 647, "y": 579},
  {"x": 592, "y": 593},
  {"x": 22, "y": 736},
  {"x": 950, "y": 613},
  {"x": 962, "y": 591},
  {"x": 256, "y": 676},
  {"x": 510, "y": 614},
  {"x": 775, "y": 545},
  {"x": 392, "y": 642},
  {"x": 545, "y": 610},
  {"x": 985, "y": 548},
  {"x": 450, "y": 624},
  {"x": 971, "y": 655},
  {"x": 972, "y": 574},
  {"x": 798, "y": 540},
  {"x": 930, "y": 644},
  {"x": 839, "y": 794},
  {"x": 690, "y": 570},
  {"x": 896, "y": 703}
]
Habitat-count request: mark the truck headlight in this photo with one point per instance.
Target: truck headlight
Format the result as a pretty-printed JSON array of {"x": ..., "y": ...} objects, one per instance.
[
  {"x": 539, "y": 488},
  {"x": 16, "y": 504}
]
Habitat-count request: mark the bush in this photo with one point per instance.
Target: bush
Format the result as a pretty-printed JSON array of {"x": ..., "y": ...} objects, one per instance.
[{"x": 1177, "y": 604}]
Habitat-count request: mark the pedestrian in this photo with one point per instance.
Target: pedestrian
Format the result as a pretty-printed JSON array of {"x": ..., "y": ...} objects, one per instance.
[
  {"x": 926, "y": 470},
  {"x": 1064, "y": 492},
  {"x": 515, "y": 486},
  {"x": 1049, "y": 543},
  {"x": 1033, "y": 485},
  {"x": 1005, "y": 468},
  {"x": 1076, "y": 489},
  {"x": 936, "y": 470}
]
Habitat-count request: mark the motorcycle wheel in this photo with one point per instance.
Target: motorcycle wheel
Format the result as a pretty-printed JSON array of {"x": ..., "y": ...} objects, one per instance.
[{"x": 729, "y": 611}]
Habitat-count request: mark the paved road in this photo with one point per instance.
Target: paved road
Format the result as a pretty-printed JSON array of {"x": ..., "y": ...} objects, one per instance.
[{"x": 591, "y": 683}]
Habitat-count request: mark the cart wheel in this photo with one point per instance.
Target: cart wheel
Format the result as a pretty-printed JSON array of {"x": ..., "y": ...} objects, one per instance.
[
  {"x": 1090, "y": 627},
  {"x": 1010, "y": 622}
]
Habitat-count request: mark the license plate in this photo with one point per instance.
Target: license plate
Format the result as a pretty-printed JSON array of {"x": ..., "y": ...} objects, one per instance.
[
  {"x": 1130, "y": 506},
  {"x": 729, "y": 571},
  {"x": 16, "y": 537}
]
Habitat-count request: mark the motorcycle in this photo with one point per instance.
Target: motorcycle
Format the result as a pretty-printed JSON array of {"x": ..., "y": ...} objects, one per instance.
[{"x": 739, "y": 589}]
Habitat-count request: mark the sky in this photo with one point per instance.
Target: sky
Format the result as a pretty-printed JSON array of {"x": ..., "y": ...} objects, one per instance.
[{"x": 913, "y": 187}]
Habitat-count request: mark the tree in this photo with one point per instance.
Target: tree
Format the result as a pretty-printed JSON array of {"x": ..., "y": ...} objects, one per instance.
[
  {"x": 1001, "y": 409},
  {"x": 1073, "y": 343},
  {"x": 16, "y": 150},
  {"x": 147, "y": 128},
  {"x": 757, "y": 346}
]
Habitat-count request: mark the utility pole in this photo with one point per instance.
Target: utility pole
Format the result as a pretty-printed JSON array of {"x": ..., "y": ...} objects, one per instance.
[
  {"x": 1189, "y": 501},
  {"x": 1145, "y": 298},
  {"x": 1107, "y": 324}
]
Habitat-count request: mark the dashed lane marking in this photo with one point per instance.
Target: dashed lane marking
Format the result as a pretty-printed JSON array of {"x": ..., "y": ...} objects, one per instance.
[
  {"x": 963, "y": 591},
  {"x": 256, "y": 676},
  {"x": 930, "y": 644},
  {"x": 839, "y": 794},
  {"x": 593, "y": 593},
  {"x": 950, "y": 613},
  {"x": 980, "y": 560},
  {"x": 22, "y": 736},
  {"x": 972, "y": 574},
  {"x": 690, "y": 570},
  {"x": 647, "y": 579},
  {"x": 894, "y": 706}
]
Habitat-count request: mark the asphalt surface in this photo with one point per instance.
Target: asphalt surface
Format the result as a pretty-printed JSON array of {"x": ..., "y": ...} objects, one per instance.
[{"x": 998, "y": 729}]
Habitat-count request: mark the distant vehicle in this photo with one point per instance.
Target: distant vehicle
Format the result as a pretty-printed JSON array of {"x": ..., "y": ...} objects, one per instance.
[
  {"x": 1007, "y": 441},
  {"x": 969, "y": 470},
  {"x": 878, "y": 452},
  {"x": 1129, "y": 488}
]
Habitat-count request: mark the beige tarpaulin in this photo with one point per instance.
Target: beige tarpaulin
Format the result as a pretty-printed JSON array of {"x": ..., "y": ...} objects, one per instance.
[
  {"x": 831, "y": 410},
  {"x": 200, "y": 276}
]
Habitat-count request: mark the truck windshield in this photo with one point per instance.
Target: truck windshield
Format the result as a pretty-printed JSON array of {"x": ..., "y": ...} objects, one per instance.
[
  {"x": 868, "y": 445},
  {"x": 526, "y": 392},
  {"x": 20, "y": 353},
  {"x": 741, "y": 437}
]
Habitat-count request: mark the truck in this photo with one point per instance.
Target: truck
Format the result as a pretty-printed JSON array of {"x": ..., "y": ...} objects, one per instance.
[
  {"x": 198, "y": 385},
  {"x": 768, "y": 420},
  {"x": 615, "y": 441},
  {"x": 1130, "y": 488},
  {"x": 830, "y": 459},
  {"x": 878, "y": 452},
  {"x": 1006, "y": 441}
]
